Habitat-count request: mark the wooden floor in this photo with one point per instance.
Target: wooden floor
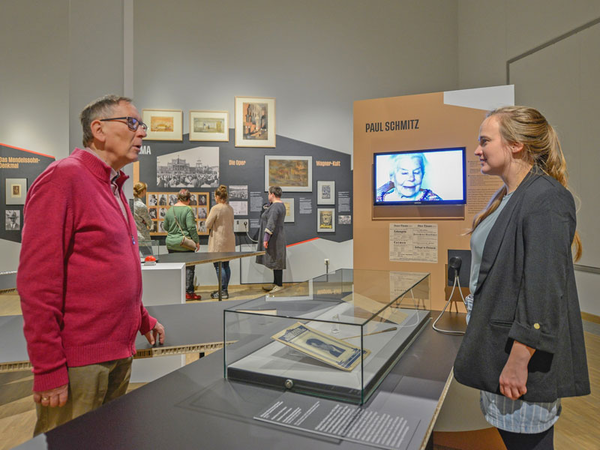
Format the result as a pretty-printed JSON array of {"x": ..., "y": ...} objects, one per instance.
[{"x": 577, "y": 428}]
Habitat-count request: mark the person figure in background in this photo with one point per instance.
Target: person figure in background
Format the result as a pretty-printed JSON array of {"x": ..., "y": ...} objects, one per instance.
[
  {"x": 271, "y": 238},
  {"x": 524, "y": 346},
  {"x": 143, "y": 221},
  {"x": 221, "y": 237},
  {"x": 79, "y": 275},
  {"x": 180, "y": 222}
]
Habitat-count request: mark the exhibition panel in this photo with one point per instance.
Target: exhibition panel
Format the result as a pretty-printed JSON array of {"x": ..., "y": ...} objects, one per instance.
[{"x": 329, "y": 337}]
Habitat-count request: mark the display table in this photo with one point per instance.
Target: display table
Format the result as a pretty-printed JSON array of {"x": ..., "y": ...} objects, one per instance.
[
  {"x": 193, "y": 258},
  {"x": 195, "y": 406}
]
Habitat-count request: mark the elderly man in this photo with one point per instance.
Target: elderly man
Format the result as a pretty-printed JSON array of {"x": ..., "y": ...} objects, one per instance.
[{"x": 79, "y": 275}]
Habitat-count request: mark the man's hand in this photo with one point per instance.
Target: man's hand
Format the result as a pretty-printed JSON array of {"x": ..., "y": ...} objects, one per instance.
[
  {"x": 513, "y": 379},
  {"x": 158, "y": 330},
  {"x": 53, "y": 397}
]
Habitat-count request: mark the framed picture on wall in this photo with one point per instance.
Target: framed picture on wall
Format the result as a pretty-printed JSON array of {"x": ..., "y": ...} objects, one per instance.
[
  {"x": 291, "y": 173},
  {"x": 325, "y": 220},
  {"x": 325, "y": 192},
  {"x": 209, "y": 126},
  {"x": 16, "y": 191},
  {"x": 254, "y": 122},
  {"x": 163, "y": 124},
  {"x": 289, "y": 209}
]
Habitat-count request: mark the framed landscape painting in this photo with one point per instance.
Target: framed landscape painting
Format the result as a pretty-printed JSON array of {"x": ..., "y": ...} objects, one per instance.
[
  {"x": 291, "y": 173},
  {"x": 255, "y": 122},
  {"x": 209, "y": 126},
  {"x": 163, "y": 124}
]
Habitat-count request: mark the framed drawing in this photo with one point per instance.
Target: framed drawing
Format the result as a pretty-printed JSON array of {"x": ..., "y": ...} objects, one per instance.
[
  {"x": 254, "y": 122},
  {"x": 289, "y": 209},
  {"x": 325, "y": 220},
  {"x": 163, "y": 124},
  {"x": 291, "y": 173},
  {"x": 325, "y": 192},
  {"x": 16, "y": 191},
  {"x": 209, "y": 126}
]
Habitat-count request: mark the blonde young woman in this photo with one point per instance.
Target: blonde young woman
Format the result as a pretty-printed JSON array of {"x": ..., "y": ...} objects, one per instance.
[
  {"x": 143, "y": 221},
  {"x": 524, "y": 346},
  {"x": 221, "y": 237}
]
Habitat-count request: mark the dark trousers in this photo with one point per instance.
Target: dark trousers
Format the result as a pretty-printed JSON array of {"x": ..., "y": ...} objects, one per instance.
[
  {"x": 278, "y": 277},
  {"x": 520, "y": 441},
  {"x": 225, "y": 274},
  {"x": 190, "y": 272}
]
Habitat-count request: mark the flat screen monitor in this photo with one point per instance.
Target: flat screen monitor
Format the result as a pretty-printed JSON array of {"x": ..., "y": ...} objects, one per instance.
[{"x": 420, "y": 177}]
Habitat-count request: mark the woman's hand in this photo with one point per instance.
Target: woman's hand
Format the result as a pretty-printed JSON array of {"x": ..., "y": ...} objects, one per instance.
[{"x": 513, "y": 379}]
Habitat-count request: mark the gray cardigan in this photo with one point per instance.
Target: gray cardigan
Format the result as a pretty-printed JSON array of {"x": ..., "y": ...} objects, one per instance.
[{"x": 526, "y": 292}]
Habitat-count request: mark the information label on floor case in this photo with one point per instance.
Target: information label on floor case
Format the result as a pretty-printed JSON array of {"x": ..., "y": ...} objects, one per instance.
[{"x": 382, "y": 429}]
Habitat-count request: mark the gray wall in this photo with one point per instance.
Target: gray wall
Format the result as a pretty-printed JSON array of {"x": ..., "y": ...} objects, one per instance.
[
  {"x": 56, "y": 56},
  {"x": 315, "y": 57},
  {"x": 550, "y": 50}
]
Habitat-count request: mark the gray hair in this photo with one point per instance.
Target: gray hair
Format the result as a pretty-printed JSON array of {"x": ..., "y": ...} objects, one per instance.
[
  {"x": 99, "y": 108},
  {"x": 276, "y": 191},
  {"x": 397, "y": 160}
]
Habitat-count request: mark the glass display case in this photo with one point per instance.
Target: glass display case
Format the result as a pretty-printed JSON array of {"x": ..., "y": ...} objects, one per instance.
[{"x": 336, "y": 336}]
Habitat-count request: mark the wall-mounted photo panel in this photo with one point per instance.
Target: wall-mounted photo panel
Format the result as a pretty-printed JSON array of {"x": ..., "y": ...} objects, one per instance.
[
  {"x": 325, "y": 220},
  {"x": 163, "y": 124},
  {"x": 254, "y": 122},
  {"x": 291, "y": 173},
  {"x": 194, "y": 168},
  {"x": 16, "y": 191},
  {"x": 238, "y": 192},
  {"x": 289, "y": 209},
  {"x": 325, "y": 192},
  {"x": 209, "y": 126}
]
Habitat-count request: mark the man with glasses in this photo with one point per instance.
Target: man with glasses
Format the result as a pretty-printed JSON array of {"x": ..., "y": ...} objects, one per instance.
[{"x": 79, "y": 275}]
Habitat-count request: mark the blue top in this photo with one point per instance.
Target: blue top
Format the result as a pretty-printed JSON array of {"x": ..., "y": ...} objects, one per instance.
[{"x": 516, "y": 416}]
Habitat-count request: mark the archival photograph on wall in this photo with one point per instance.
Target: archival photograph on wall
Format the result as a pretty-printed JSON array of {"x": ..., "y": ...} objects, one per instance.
[
  {"x": 163, "y": 124},
  {"x": 254, "y": 122},
  {"x": 238, "y": 192},
  {"x": 16, "y": 191},
  {"x": 240, "y": 208},
  {"x": 13, "y": 220},
  {"x": 291, "y": 173},
  {"x": 209, "y": 126},
  {"x": 194, "y": 168}
]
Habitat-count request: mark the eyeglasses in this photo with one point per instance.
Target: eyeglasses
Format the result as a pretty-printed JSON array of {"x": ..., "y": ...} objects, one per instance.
[{"x": 132, "y": 123}]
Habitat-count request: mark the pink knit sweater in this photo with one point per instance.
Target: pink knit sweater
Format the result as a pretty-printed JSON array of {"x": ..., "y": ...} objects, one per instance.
[{"x": 79, "y": 275}]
